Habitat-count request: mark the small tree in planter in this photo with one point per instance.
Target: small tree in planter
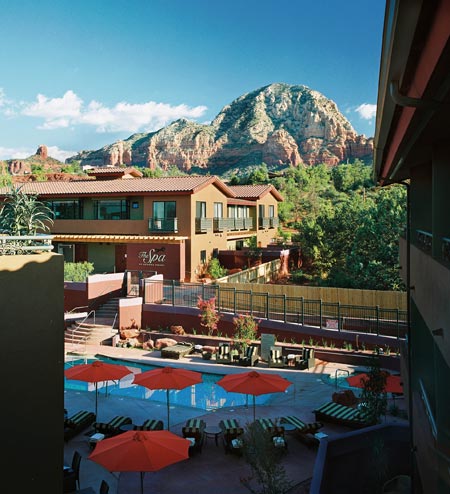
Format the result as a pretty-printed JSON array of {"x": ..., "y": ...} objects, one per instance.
[
  {"x": 374, "y": 391},
  {"x": 209, "y": 317},
  {"x": 245, "y": 329}
]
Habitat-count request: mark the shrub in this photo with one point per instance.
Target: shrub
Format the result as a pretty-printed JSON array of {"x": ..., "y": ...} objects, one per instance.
[
  {"x": 77, "y": 271},
  {"x": 215, "y": 270},
  {"x": 245, "y": 328},
  {"x": 209, "y": 317}
]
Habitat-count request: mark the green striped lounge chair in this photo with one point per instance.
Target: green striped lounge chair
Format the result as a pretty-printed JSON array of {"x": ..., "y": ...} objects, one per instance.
[
  {"x": 150, "y": 425},
  {"x": 302, "y": 427},
  {"x": 270, "y": 426},
  {"x": 194, "y": 428},
  {"x": 341, "y": 414},
  {"x": 231, "y": 431},
  {"x": 112, "y": 428},
  {"x": 77, "y": 423}
]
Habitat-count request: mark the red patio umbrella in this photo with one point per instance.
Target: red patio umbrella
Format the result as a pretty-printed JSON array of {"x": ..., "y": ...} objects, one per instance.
[
  {"x": 254, "y": 383},
  {"x": 96, "y": 372},
  {"x": 393, "y": 384},
  {"x": 140, "y": 451},
  {"x": 168, "y": 378}
]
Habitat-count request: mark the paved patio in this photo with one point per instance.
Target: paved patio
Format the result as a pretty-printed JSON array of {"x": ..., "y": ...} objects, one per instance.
[{"x": 212, "y": 470}]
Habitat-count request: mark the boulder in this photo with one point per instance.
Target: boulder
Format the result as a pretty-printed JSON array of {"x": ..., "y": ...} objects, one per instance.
[{"x": 164, "y": 342}]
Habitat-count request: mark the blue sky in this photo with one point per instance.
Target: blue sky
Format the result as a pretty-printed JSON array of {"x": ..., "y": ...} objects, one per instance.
[{"x": 82, "y": 74}]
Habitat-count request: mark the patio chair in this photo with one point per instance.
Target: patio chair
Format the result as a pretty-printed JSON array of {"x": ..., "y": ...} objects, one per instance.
[
  {"x": 276, "y": 358},
  {"x": 195, "y": 430},
  {"x": 275, "y": 431},
  {"x": 77, "y": 423},
  {"x": 344, "y": 415},
  {"x": 307, "y": 359},
  {"x": 223, "y": 355},
  {"x": 305, "y": 432},
  {"x": 112, "y": 428},
  {"x": 231, "y": 432},
  {"x": 251, "y": 357},
  {"x": 150, "y": 425}
]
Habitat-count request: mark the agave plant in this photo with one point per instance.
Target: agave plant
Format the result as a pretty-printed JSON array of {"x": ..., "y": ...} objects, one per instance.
[{"x": 24, "y": 214}]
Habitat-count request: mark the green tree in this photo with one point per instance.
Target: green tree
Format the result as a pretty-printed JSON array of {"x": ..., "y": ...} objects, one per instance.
[
  {"x": 373, "y": 396},
  {"x": 77, "y": 271},
  {"x": 24, "y": 214},
  {"x": 215, "y": 269}
]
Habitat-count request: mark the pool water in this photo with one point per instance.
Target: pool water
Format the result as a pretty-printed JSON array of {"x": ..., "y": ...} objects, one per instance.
[
  {"x": 206, "y": 395},
  {"x": 340, "y": 380}
]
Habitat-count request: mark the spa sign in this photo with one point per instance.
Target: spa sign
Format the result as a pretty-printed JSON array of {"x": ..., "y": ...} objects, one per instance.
[{"x": 152, "y": 257}]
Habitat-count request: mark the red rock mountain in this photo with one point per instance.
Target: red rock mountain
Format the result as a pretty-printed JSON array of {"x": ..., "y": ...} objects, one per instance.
[{"x": 279, "y": 125}]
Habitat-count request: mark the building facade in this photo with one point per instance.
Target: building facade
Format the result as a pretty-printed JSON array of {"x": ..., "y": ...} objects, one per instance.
[
  {"x": 172, "y": 225},
  {"x": 412, "y": 146}
]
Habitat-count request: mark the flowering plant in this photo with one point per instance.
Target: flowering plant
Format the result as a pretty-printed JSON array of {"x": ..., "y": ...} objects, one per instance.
[
  {"x": 209, "y": 317},
  {"x": 245, "y": 328}
]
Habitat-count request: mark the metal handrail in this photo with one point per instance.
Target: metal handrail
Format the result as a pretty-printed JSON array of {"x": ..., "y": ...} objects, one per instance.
[{"x": 336, "y": 375}]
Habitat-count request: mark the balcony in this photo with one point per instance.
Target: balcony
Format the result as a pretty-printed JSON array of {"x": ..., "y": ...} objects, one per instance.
[
  {"x": 264, "y": 222},
  {"x": 274, "y": 222},
  {"x": 424, "y": 241},
  {"x": 166, "y": 225},
  {"x": 203, "y": 225},
  {"x": 248, "y": 223}
]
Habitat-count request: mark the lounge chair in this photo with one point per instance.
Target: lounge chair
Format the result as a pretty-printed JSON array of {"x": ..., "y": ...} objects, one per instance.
[
  {"x": 77, "y": 423},
  {"x": 150, "y": 425},
  {"x": 195, "y": 430},
  {"x": 177, "y": 351},
  {"x": 231, "y": 432},
  {"x": 223, "y": 355},
  {"x": 305, "y": 431},
  {"x": 341, "y": 414},
  {"x": 251, "y": 357},
  {"x": 112, "y": 428},
  {"x": 276, "y": 431},
  {"x": 276, "y": 358},
  {"x": 307, "y": 360}
]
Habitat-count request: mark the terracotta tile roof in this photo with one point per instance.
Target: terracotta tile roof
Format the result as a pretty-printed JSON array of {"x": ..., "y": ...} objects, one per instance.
[
  {"x": 255, "y": 191},
  {"x": 114, "y": 170},
  {"x": 186, "y": 184},
  {"x": 240, "y": 202},
  {"x": 65, "y": 237}
]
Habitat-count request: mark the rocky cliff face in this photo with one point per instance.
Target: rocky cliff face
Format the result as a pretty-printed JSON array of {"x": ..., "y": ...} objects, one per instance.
[{"x": 279, "y": 125}]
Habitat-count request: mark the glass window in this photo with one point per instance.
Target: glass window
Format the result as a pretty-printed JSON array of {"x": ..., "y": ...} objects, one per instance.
[
  {"x": 164, "y": 209},
  {"x": 203, "y": 256},
  {"x": 261, "y": 210},
  {"x": 66, "y": 210},
  {"x": 218, "y": 210},
  {"x": 271, "y": 211},
  {"x": 200, "y": 209},
  {"x": 114, "y": 209}
]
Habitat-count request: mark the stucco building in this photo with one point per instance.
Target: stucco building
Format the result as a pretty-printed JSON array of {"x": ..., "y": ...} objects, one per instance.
[{"x": 120, "y": 221}]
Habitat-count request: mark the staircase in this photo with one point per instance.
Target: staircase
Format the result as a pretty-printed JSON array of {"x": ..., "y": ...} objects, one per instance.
[{"x": 95, "y": 330}]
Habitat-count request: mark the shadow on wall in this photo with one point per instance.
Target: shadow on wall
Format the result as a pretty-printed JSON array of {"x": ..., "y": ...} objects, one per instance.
[{"x": 361, "y": 461}]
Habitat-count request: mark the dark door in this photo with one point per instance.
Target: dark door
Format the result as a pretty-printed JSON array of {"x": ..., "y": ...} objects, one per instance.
[{"x": 121, "y": 258}]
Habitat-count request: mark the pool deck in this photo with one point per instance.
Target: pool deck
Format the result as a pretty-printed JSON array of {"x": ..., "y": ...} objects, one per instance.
[{"x": 212, "y": 470}]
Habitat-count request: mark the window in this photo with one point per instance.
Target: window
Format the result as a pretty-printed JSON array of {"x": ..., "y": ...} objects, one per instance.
[
  {"x": 200, "y": 209},
  {"x": 203, "y": 256},
  {"x": 164, "y": 210},
  {"x": 271, "y": 211},
  {"x": 67, "y": 210},
  {"x": 114, "y": 209},
  {"x": 261, "y": 210},
  {"x": 218, "y": 210}
]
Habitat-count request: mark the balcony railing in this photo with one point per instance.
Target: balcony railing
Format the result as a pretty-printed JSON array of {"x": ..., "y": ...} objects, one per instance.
[
  {"x": 248, "y": 223},
  {"x": 203, "y": 225},
  {"x": 168, "y": 225},
  {"x": 25, "y": 244},
  {"x": 424, "y": 240},
  {"x": 274, "y": 222},
  {"x": 446, "y": 249},
  {"x": 264, "y": 222}
]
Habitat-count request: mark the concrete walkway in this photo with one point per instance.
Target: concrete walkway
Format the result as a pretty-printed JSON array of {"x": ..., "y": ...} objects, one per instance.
[{"x": 212, "y": 470}]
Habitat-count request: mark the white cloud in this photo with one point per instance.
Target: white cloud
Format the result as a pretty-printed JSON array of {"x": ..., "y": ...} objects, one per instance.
[
  {"x": 15, "y": 153},
  {"x": 2, "y": 97},
  {"x": 122, "y": 117},
  {"x": 366, "y": 111},
  {"x": 59, "y": 154}
]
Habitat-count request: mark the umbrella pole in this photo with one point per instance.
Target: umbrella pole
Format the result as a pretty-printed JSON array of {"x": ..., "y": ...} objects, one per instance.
[
  {"x": 168, "y": 411},
  {"x": 96, "y": 396},
  {"x": 254, "y": 408},
  {"x": 142, "y": 482}
]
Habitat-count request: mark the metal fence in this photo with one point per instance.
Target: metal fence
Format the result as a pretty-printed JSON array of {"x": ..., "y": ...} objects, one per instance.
[{"x": 296, "y": 310}]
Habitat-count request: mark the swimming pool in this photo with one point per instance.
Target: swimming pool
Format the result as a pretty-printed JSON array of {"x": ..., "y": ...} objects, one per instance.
[
  {"x": 340, "y": 380},
  {"x": 206, "y": 396}
]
